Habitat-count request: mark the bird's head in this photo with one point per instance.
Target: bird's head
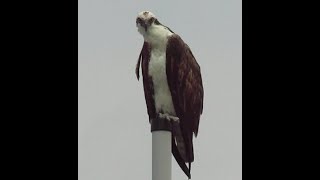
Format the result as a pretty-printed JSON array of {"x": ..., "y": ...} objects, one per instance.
[{"x": 144, "y": 20}]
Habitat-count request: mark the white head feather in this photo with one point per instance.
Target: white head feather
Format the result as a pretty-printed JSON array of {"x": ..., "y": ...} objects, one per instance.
[{"x": 152, "y": 32}]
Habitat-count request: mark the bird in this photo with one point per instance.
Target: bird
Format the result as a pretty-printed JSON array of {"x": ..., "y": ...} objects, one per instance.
[{"x": 172, "y": 84}]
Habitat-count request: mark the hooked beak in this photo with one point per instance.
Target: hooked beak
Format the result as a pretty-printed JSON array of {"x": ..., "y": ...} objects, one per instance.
[{"x": 143, "y": 24}]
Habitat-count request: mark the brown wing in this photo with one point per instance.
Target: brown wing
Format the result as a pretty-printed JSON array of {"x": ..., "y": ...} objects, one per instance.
[
  {"x": 185, "y": 83},
  {"x": 147, "y": 81}
]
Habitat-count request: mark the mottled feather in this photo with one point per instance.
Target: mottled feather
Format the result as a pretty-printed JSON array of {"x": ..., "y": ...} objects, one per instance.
[{"x": 185, "y": 83}]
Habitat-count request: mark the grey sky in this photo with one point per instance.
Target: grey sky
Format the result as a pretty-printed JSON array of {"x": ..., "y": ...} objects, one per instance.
[{"x": 114, "y": 133}]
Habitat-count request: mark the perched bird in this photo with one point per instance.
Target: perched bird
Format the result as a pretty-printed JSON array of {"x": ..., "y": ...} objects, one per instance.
[{"x": 172, "y": 84}]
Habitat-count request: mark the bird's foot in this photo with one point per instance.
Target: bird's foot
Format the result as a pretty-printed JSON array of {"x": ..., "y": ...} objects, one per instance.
[{"x": 168, "y": 117}]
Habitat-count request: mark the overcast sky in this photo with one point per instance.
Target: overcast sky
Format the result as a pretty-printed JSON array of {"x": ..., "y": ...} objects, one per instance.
[{"x": 114, "y": 132}]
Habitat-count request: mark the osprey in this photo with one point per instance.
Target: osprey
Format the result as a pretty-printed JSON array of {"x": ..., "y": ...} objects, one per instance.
[{"x": 172, "y": 84}]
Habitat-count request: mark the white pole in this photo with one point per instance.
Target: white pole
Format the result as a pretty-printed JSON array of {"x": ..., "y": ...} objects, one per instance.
[
  {"x": 161, "y": 149},
  {"x": 161, "y": 155}
]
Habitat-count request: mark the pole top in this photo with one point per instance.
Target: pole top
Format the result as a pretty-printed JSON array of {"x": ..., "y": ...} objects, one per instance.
[{"x": 161, "y": 124}]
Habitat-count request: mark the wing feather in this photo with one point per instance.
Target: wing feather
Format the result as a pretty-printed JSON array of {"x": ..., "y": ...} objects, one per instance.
[
  {"x": 185, "y": 83},
  {"x": 144, "y": 59}
]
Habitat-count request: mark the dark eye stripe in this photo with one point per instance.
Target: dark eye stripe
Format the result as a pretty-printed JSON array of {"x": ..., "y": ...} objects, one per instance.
[
  {"x": 151, "y": 20},
  {"x": 138, "y": 20},
  {"x": 157, "y": 22}
]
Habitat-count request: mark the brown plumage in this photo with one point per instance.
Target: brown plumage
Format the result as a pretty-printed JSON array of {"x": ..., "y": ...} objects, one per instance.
[{"x": 185, "y": 83}]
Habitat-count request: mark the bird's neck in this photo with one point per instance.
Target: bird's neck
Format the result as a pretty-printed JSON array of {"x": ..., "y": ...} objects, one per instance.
[{"x": 157, "y": 36}]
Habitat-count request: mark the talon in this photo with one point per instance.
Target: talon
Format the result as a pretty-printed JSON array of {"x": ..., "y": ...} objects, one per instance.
[
  {"x": 161, "y": 115},
  {"x": 169, "y": 117},
  {"x": 174, "y": 118}
]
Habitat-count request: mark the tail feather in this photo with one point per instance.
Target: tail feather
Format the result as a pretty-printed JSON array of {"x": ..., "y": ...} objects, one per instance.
[
  {"x": 182, "y": 148},
  {"x": 190, "y": 168},
  {"x": 180, "y": 160}
]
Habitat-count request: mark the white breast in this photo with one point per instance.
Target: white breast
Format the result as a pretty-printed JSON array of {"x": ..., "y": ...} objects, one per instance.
[
  {"x": 162, "y": 94},
  {"x": 157, "y": 70}
]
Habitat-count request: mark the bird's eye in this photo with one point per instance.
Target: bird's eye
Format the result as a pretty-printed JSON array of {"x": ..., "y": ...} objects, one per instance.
[
  {"x": 151, "y": 20},
  {"x": 138, "y": 20}
]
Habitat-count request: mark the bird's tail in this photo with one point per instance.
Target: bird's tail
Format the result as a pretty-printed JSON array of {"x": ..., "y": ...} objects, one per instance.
[{"x": 179, "y": 159}]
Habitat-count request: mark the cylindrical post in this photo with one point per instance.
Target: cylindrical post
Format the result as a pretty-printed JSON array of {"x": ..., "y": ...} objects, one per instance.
[{"x": 161, "y": 149}]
